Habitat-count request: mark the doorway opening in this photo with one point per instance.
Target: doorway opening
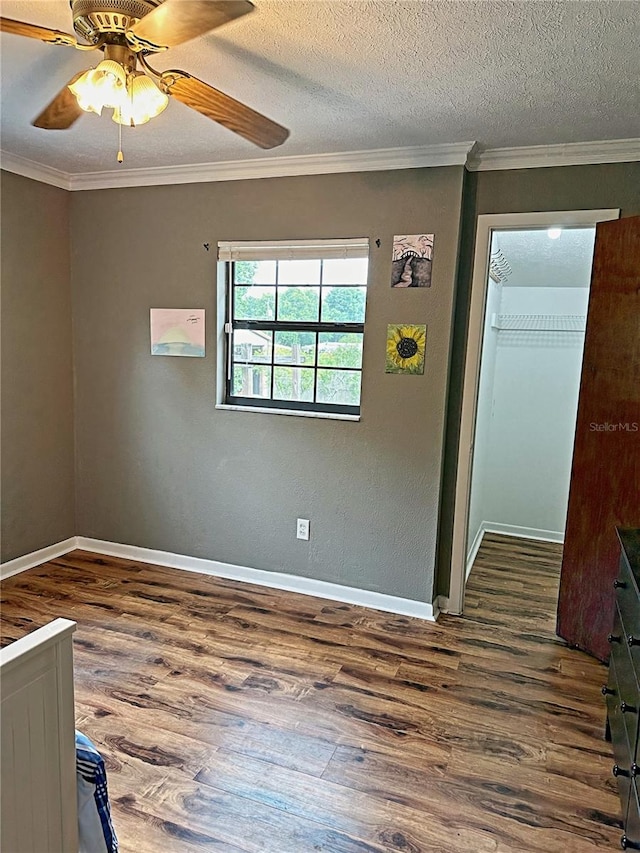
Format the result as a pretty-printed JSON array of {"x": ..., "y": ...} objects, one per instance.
[{"x": 529, "y": 305}]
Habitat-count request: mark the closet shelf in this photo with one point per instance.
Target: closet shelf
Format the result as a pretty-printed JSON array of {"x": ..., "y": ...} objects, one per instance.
[{"x": 538, "y": 322}]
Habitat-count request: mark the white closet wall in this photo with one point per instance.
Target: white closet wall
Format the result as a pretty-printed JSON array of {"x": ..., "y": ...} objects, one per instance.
[
  {"x": 528, "y": 394},
  {"x": 525, "y": 483}
]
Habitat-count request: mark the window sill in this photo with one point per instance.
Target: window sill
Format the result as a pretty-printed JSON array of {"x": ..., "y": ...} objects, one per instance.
[{"x": 332, "y": 416}]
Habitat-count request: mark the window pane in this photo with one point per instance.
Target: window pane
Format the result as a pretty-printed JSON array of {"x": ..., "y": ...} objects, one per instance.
[
  {"x": 254, "y": 272},
  {"x": 343, "y": 304},
  {"x": 295, "y": 348},
  {"x": 345, "y": 271},
  {"x": 298, "y": 303},
  {"x": 336, "y": 350},
  {"x": 254, "y": 303},
  {"x": 251, "y": 381},
  {"x": 299, "y": 272},
  {"x": 250, "y": 345},
  {"x": 293, "y": 383},
  {"x": 341, "y": 387}
]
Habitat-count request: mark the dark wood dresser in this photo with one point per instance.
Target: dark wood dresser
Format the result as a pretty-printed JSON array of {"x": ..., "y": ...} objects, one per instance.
[{"x": 623, "y": 688}]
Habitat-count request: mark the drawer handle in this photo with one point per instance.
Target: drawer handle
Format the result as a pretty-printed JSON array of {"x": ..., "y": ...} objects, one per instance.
[
  {"x": 632, "y": 641},
  {"x": 626, "y": 844},
  {"x": 619, "y": 771},
  {"x": 612, "y": 638},
  {"x": 634, "y": 770},
  {"x": 608, "y": 691},
  {"x": 618, "y": 584},
  {"x": 628, "y": 709}
]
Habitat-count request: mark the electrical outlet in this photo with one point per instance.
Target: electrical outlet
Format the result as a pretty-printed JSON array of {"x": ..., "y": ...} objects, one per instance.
[{"x": 302, "y": 529}]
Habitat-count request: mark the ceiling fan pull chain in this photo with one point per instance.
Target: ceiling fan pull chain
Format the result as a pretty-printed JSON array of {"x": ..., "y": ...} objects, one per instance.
[{"x": 120, "y": 156}]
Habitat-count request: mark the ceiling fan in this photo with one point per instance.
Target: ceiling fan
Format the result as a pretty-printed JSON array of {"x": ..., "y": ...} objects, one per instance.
[{"x": 127, "y": 32}]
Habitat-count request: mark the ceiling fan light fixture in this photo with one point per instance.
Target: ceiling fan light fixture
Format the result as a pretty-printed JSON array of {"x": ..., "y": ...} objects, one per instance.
[
  {"x": 144, "y": 101},
  {"x": 127, "y": 31},
  {"x": 103, "y": 86}
]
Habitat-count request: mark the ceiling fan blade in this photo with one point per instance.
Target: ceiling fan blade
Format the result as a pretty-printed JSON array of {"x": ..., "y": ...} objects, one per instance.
[
  {"x": 222, "y": 108},
  {"x": 19, "y": 28},
  {"x": 176, "y": 21},
  {"x": 63, "y": 110}
]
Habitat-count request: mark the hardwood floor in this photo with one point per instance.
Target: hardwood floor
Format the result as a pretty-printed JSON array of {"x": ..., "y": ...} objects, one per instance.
[{"x": 236, "y": 718}]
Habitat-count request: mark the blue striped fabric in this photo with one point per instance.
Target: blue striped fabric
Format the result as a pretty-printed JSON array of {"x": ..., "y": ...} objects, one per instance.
[{"x": 92, "y": 778}]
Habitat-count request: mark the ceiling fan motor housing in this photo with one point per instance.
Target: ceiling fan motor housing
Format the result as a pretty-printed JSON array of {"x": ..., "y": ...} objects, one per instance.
[{"x": 93, "y": 18}]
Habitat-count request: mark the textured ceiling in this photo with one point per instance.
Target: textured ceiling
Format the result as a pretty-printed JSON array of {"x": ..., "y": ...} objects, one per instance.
[
  {"x": 538, "y": 261},
  {"x": 350, "y": 76}
]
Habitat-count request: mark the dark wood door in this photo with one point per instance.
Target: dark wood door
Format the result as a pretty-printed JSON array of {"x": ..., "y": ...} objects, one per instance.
[{"x": 605, "y": 475}]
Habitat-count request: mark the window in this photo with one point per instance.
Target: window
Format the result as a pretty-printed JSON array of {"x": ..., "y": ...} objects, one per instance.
[{"x": 294, "y": 325}]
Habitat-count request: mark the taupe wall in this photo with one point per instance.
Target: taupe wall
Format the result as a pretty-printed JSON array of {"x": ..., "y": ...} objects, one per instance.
[
  {"x": 37, "y": 376},
  {"x": 158, "y": 466},
  {"x": 560, "y": 188},
  {"x": 615, "y": 185}
]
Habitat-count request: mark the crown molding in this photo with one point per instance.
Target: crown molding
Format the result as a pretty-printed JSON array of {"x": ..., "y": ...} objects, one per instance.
[
  {"x": 569, "y": 154},
  {"x": 454, "y": 154},
  {"x": 37, "y": 171},
  {"x": 279, "y": 167},
  {"x": 382, "y": 159}
]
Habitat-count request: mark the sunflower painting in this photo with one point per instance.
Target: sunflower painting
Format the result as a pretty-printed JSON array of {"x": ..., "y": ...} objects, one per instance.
[{"x": 405, "y": 349}]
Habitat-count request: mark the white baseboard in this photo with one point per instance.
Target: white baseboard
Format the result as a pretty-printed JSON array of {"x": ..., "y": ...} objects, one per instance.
[
  {"x": 507, "y": 530},
  {"x": 35, "y": 558},
  {"x": 473, "y": 550},
  {"x": 275, "y": 580},
  {"x": 504, "y": 530},
  {"x": 523, "y": 532}
]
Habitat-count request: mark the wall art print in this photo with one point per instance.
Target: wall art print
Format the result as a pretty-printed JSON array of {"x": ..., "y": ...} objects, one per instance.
[
  {"x": 405, "y": 349},
  {"x": 177, "y": 331},
  {"x": 411, "y": 262}
]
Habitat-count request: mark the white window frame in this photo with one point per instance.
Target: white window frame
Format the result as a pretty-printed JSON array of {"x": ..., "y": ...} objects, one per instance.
[{"x": 229, "y": 251}]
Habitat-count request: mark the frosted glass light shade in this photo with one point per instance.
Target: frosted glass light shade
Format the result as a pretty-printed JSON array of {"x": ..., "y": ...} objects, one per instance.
[
  {"x": 144, "y": 101},
  {"x": 103, "y": 86}
]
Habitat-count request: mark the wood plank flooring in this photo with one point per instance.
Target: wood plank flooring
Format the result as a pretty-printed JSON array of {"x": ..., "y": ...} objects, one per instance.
[{"x": 239, "y": 719}]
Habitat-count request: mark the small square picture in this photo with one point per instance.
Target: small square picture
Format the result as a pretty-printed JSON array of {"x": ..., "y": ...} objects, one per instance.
[
  {"x": 411, "y": 263},
  {"x": 177, "y": 331}
]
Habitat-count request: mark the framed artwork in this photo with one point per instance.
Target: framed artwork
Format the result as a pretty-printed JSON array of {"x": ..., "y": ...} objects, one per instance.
[
  {"x": 411, "y": 262},
  {"x": 406, "y": 346},
  {"x": 177, "y": 331}
]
